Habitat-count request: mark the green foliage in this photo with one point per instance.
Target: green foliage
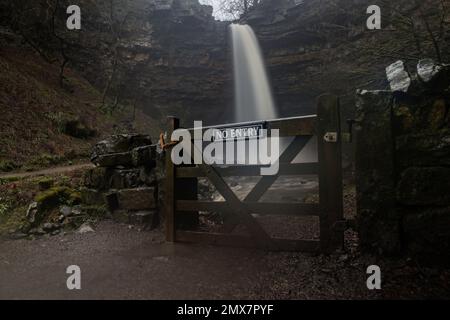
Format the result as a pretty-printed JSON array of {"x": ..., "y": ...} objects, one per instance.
[
  {"x": 7, "y": 166},
  {"x": 57, "y": 196},
  {"x": 3, "y": 208},
  {"x": 45, "y": 160},
  {"x": 8, "y": 180},
  {"x": 13, "y": 219},
  {"x": 45, "y": 183}
]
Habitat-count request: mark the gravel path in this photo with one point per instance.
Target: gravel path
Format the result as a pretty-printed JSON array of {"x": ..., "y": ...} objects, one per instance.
[
  {"x": 44, "y": 172},
  {"x": 122, "y": 263}
]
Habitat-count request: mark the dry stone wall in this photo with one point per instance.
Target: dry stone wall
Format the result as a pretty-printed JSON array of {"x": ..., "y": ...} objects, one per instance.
[
  {"x": 125, "y": 179},
  {"x": 403, "y": 163}
]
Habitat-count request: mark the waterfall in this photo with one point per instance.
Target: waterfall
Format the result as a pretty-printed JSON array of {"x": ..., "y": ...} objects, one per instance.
[{"x": 253, "y": 95}]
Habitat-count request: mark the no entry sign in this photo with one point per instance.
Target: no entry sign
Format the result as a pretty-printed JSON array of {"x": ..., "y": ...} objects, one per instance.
[{"x": 253, "y": 131}]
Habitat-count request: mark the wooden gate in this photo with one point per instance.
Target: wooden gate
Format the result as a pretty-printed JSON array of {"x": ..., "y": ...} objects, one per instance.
[{"x": 326, "y": 126}]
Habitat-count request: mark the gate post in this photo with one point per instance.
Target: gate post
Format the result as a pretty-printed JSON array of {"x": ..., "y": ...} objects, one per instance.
[
  {"x": 330, "y": 172},
  {"x": 172, "y": 125}
]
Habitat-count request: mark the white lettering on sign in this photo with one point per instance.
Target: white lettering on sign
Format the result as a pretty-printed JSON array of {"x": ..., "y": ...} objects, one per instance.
[{"x": 250, "y": 132}]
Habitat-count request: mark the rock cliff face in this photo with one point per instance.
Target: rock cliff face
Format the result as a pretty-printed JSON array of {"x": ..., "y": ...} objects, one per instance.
[
  {"x": 313, "y": 47},
  {"x": 170, "y": 57},
  {"x": 166, "y": 56},
  {"x": 402, "y": 162}
]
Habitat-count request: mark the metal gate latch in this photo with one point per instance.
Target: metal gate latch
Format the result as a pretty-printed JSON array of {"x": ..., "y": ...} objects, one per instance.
[{"x": 330, "y": 137}]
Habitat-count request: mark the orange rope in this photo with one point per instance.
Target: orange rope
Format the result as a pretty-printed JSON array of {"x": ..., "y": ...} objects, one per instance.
[{"x": 164, "y": 145}]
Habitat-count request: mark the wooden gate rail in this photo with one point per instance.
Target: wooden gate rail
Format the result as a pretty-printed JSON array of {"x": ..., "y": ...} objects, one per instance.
[{"x": 326, "y": 125}]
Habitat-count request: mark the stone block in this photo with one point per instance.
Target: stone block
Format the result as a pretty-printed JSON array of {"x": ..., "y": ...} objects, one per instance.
[
  {"x": 119, "y": 144},
  {"x": 137, "y": 199},
  {"x": 144, "y": 156},
  {"x": 97, "y": 178},
  {"x": 121, "y": 216},
  {"x": 142, "y": 218},
  {"x": 378, "y": 220},
  {"x": 423, "y": 149},
  {"x": 428, "y": 186},
  {"x": 125, "y": 179},
  {"x": 92, "y": 197},
  {"x": 114, "y": 160}
]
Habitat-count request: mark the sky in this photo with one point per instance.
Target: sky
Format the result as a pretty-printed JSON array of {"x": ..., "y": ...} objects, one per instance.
[{"x": 215, "y": 4}]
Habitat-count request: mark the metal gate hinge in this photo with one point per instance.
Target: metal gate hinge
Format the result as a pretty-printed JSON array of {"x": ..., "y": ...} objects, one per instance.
[{"x": 331, "y": 137}]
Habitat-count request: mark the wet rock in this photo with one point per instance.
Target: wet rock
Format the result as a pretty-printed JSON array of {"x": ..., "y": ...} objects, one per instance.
[{"x": 398, "y": 77}]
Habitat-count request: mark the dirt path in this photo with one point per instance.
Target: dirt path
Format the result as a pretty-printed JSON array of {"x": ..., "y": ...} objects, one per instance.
[
  {"x": 49, "y": 171},
  {"x": 119, "y": 262}
]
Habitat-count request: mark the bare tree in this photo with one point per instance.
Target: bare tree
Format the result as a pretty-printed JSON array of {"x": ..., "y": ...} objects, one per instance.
[
  {"x": 426, "y": 25},
  {"x": 40, "y": 31},
  {"x": 116, "y": 26},
  {"x": 232, "y": 9}
]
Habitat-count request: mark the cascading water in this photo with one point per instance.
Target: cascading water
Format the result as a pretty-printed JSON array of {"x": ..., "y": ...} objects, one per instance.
[{"x": 253, "y": 95}]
